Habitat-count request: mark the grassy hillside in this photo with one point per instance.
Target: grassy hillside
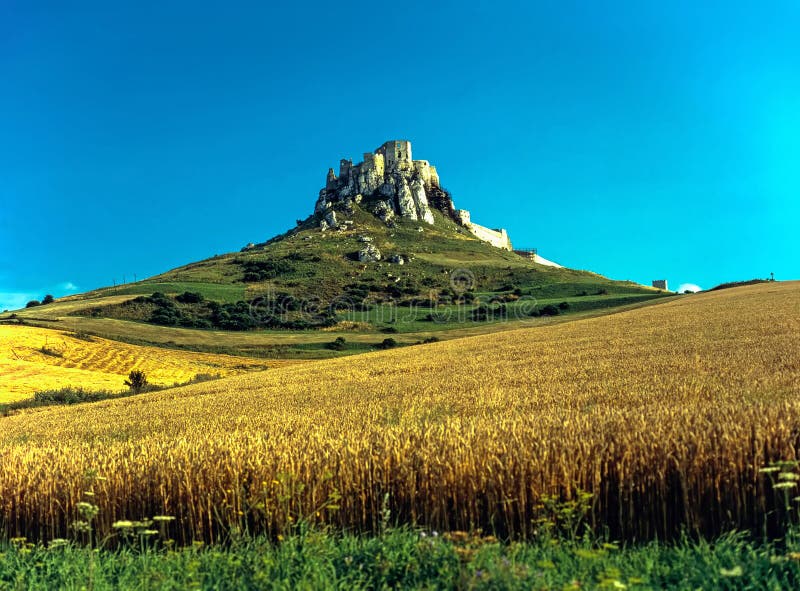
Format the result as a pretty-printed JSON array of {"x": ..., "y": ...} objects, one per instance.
[
  {"x": 664, "y": 414},
  {"x": 282, "y": 293}
]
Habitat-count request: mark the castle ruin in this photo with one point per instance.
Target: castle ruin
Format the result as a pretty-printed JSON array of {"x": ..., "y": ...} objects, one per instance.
[{"x": 399, "y": 186}]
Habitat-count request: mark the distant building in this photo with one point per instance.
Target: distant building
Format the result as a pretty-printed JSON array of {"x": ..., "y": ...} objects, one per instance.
[{"x": 660, "y": 284}]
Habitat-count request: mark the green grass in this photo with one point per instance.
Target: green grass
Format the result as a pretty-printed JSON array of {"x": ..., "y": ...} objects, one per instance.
[
  {"x": 227, "y": 293},
  {"x": 320, "y": 265},
  {"x": 450, "y": 317},
  {"x": 405, "y": 559}
]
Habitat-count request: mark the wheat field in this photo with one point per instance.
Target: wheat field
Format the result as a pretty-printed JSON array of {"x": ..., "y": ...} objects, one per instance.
[
  {"x": 664, "y": 414},
  {"x": 34, "y": 359}
]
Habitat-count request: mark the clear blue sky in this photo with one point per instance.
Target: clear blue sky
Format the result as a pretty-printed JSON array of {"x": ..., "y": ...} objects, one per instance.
[{"x": 640, "y": 139}]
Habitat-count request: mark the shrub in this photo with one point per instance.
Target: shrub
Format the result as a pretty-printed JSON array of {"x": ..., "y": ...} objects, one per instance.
[
  {"x": 260, "y": 270},
  {"x": 389, "y": 343},
  {"x": 68, "y": 396},
  {"x": 137, "y": 381},
  {"x": 563, "y": 306},
  {"x": 431, "y": 340},
  {"x": 33, "y": 303},
  {"x": 189, "y": 297},
  {"x": 48, "y": 299},
  {"x": 338, "y": 345},
  {"x": 550, "y": 310},
  {"x": 165, "y": 317}
]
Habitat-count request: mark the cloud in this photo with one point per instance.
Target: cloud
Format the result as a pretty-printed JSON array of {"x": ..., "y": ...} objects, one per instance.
[
  {"x": 68, "y": 286},
  {"x": 689, "y": 287}
]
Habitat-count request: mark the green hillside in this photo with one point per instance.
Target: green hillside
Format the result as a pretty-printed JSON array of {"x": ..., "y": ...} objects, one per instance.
[{"x": 293, "y": 295}]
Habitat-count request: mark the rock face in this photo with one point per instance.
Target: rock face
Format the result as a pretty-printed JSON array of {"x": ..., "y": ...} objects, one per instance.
[
  {"x": 396, "y": 186},
  {"x": 328, "y": 220},
  {"x": 388, "y": 173}
]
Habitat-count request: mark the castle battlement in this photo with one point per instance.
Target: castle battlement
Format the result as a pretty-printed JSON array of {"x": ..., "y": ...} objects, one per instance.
[{"x": 404, "y": 187}]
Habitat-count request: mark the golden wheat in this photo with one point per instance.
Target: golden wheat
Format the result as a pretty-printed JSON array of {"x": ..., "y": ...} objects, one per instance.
[
  {"x": 664, "y": 413},
  {"x": 33, "y": 359}
]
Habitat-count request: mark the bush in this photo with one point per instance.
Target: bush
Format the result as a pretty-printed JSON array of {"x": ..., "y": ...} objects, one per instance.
[
  {"x": 48, "y": 299},
  {"x": 338, "y": 345},
  {"x": 550, "y": 310},
  {"x": 389, "y": 343},
  {"x": 431, "y": 340},
  {"x": 563, "y": 306},
  {"x": 165, "y": 317},
  {"x": 137, "y": 381},
  {"x": 33, "y": 303},
  {"x": 68, "y": 396},
  {"x": 260, "y": 270},
  {"x": 189, "y": 297}
]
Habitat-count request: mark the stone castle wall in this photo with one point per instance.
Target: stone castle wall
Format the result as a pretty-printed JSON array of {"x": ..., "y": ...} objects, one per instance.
[{"x": 497, "y": 238}]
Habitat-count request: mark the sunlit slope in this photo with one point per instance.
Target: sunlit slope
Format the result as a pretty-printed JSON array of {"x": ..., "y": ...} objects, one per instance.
[
  {"x": 664, "y": 413},
  {"x": 33, "y": 359}
]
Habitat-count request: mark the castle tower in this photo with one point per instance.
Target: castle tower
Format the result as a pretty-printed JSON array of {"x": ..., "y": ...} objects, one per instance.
[
  {"x": 396, "y": 154},
  {"x": 330, "y": 182},
  {"x": 344, "y": 168}
]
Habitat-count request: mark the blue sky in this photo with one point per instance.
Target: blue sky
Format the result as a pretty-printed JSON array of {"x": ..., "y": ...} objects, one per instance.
[{"x": 640, "y": 140}]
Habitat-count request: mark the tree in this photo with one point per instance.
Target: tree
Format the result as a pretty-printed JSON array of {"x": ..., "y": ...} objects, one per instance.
[
  {"x": 33, "y": 303},
  {"x": 137, "y": 381},
  {"x": 48, "y": 299}
]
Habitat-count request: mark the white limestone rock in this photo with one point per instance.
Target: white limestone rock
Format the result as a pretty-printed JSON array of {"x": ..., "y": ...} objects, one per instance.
[
  {"x": 330, "y": 219},
  {"x": 388, "y": 188},
  {"x": 384, "y": 211},
  {"x": 424, "y": 212},
  {"x": 322, "y": 202},
  {"x": 369, "y": 254},
  {"x": 406, "y": 208}
]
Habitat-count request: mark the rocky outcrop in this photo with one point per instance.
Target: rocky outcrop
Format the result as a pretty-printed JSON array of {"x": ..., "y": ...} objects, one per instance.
[
  {"x": 406, "y": 208},
  {"x": 384, "y": 211},
  {"x": 421, "y": 201},
  {"x": 388, "y": 174},
  {"x": 395, "y": 185},
  {"x": 369, "y": 254}
]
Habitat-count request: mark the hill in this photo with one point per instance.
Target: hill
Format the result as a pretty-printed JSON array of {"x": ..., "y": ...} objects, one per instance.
[
  {"x": 386, "y": 251},
  {"x": 665, "y": 414}
]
